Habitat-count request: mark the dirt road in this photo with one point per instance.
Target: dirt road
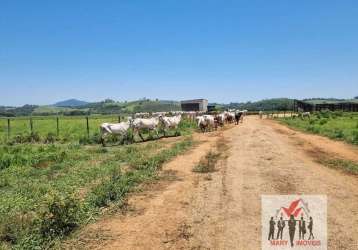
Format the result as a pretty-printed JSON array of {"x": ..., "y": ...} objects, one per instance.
[{"x": 222, "y": 210}]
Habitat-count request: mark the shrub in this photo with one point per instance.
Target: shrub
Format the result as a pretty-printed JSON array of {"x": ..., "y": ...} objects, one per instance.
[
  {"x": 60, "y": 214},
  {"x": 337, "y": 133},
  {"x": 323, "y": 121}
]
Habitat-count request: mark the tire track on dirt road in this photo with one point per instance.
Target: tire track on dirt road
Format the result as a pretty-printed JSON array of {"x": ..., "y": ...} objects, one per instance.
[
  {"x": 222, "y": 209},
  {"x": 157, "y": 218},
  {"x": 265, "y": 161}
]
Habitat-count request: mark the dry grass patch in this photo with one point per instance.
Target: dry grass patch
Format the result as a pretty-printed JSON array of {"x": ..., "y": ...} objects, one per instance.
[{"x": 208, "y": 163}]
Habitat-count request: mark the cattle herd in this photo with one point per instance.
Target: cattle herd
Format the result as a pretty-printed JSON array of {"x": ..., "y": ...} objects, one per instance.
[{"x": 169, "y": 120}]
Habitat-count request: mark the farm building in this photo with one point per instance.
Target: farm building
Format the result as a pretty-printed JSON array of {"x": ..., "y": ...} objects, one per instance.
[
  {"x": 319, "y": 105},
  {"x": 194, "y": 105},
  {"x": 211, "y": 108}
]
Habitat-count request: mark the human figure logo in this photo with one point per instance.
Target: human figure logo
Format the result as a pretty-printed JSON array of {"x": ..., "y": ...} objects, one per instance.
[{"x": 294, "y": 222}]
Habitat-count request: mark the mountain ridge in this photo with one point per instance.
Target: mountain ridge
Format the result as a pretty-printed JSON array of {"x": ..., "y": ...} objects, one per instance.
[{"x": 70, "y": 103}]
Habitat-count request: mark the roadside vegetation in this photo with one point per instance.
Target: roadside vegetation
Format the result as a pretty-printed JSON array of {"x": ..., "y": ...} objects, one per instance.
[
  {"x": 345, "y": 165},
  {"x": 47, "y": 191},
  {"x": 51, "y": 186},
  {"x": 335, "y": 125}
]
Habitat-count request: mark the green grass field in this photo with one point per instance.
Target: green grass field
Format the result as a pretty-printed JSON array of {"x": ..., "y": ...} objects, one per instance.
[
  {"x": 335, "y": 125},
  {"x": 70, "y": 128},
  {"x": 49, "y": 190}
]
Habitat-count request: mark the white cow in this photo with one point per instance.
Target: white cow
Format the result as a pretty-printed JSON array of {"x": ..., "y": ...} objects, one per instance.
[
  {"x": 229, "y": 116},
  {"x": 141, "y": 115},
  {"x": 243, "y": 113},
  {"x": 145, "y": 123},
  {"x": 261, "y": 114},
  {"x": 170, "y": 122},
  {"x": 305, "y": 114},
  {"x": 120, "y": 129},
  {"x": 157, "y": 114},
  {"x": 221, "y": 119},
  {"x": 205, "y": 122}
]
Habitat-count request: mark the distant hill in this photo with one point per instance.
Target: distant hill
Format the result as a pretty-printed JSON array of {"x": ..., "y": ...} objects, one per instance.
[
  {"x": 266, "y": 104},
  {"x": 70, "y": 103},
  {"x": 75, "y": 107},
  {"x": 329, "y": 100},
  {"x": 129, "y": 107}
]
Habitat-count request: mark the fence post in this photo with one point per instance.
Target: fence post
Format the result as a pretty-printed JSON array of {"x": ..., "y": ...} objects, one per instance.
[
  {"x": 87, "y": 126},
  {"x": 31, "y": 126},
  {"x": 119, "y": 119},
  {"x": 57, "y": 126},
  {"x": 8, "y": 128}
]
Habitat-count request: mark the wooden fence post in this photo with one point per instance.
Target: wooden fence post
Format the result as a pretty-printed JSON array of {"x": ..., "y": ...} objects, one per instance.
[
  {"x": 8, "y": 128},
  {"x": 31, "y": 126},
  {"x": 87, "y": 126},
  {"x": 119, "y": 119},
  {"x": 57, "y": 127}
]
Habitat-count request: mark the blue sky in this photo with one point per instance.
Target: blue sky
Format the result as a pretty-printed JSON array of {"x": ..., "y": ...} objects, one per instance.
[{"x": 221, "y": 50}]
